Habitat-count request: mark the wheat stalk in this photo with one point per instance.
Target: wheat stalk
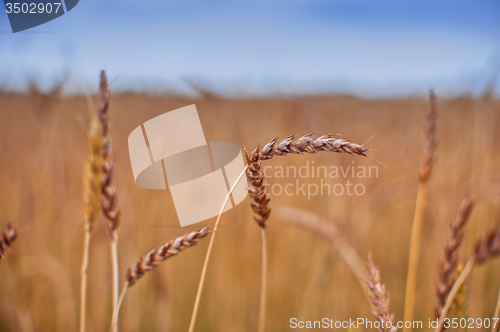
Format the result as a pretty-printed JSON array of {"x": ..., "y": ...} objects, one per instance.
[
  {"x": 448, "y": 267},
  {"x": 379, "y": 299},
  {"x": 496, "y": 314},
  {"x": 8, "y": 236},
  {"x": 209, "y": 253},
  {"x": 487, "y": 247},
  {"x": 153, "y": 259},
  {"x": 416, "y": 231},
  {"x": 92, "y": 206}
]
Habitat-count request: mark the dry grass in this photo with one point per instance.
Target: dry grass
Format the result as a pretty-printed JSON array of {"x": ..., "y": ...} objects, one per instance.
[{"x": 40, "y": 188}]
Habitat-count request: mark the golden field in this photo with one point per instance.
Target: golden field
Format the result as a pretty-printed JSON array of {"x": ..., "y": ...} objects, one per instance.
[{"x": 43, "y": 147}]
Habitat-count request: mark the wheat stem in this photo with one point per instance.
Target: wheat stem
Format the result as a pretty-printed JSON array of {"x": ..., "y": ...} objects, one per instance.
[
  {"x": 263, "y": 286},
  {"x": 416, "y": 234},
  {"x": 456, "y": 287},
  {"x": 209, "y": 252},
  {"x": 495, "y": 327},
  {"x": 114, "y": 321},
  {"x": 83, "y": 284},
  {"x": 116, "y": 278}
]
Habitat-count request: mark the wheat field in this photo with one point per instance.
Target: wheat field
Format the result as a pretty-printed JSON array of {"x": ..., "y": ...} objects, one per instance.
[{"x": 43, "y": 147}]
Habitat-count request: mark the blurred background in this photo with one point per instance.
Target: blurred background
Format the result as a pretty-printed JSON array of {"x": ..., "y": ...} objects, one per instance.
[{"x": 255, "y": 71}]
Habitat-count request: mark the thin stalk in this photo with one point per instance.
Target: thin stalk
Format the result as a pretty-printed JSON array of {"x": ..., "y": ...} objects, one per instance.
[
  {"x": 456, "y": 287},
  {"x": 495, "y": 328},
  {"x": 116, "y": 279},
  {"x": 263, "y": 285},
  {"x": 209, "y": 252},
  {"x": 83, "y": 282},
  {"x": 416, "y": 231},
  {"x": 114, "y": 320},
  {"x": 416, "y": 234}
]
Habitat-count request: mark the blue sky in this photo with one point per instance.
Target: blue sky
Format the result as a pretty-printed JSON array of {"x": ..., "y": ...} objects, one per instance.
[{"x": 372, "y": 48}]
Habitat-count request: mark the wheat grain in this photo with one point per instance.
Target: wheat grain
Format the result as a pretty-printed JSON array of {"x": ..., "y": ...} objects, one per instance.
[
  {"x": 448, "y": 267},
  {"x": 379, "y": 298},
  {"x": 6, "y": 239}
]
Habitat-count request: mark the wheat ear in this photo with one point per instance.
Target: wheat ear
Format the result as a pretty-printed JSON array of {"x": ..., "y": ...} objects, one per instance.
[
  {"x": 487, "y": 247},
  {"x": 260, "y": 206},
  {"x": 196, "y": 306},
  {"x": 257, "y": 191},
  {"x": 91, "y": 199},
  {"x": 8, "y": 236},
  {"x": 309, "y": 144},
  {"x": 416, "y": 231},
  {"x": 153, "y": 259},
  {"x": 379, "y": 299},
  {"x": 109, "y": 201},
  {"x": 448, "y": 267}
]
